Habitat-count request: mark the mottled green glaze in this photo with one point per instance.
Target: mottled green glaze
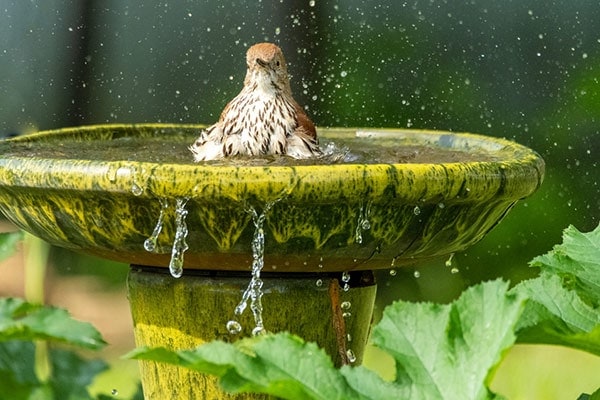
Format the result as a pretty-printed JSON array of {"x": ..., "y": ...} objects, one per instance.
[{"x": 414, "y": 211}]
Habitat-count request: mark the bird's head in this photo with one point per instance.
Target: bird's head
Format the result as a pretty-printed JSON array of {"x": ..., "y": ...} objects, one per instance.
[{"x": 266, "y": 67}]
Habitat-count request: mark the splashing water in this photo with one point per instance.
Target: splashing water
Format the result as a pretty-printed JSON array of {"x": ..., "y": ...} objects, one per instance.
[
  {"x": 254, "y": 291},
  {"x": 179, "y": 244},
  {"x": 150, "y": 243}
]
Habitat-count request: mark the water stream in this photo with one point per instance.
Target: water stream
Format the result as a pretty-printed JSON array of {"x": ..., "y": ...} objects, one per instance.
[
  {"x": 181, "y": 231},
  {"x": 179, "y": 244},
  {"x": 254, "y": 292}
]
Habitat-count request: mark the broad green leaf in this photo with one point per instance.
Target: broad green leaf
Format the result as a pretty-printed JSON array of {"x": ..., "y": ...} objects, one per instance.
[
  {"x": 564, "y": 300},
  {"x": 371, "y": 386},
  {"x": 280, "y": 365},
  {"x": 449, "y": 351},
  {"x": 20, "y": 320},
  {"x": 8, "y": 242}
]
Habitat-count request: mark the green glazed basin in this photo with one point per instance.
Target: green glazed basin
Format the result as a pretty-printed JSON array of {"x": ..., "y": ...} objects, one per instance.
[{"x": 401, "y": 196}]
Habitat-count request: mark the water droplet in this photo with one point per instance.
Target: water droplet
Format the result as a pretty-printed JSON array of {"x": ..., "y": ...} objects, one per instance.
[
  {"x": 311, "y": 3},
  {"x": 319, "y": 282},
  {"x": 416, "y": 210},
  {"x": 344, "y": 74},
  {"x": 234, "y": 327},
  {"x": 345, "y": 276},
  {"x": 441, "y": 205},
  {"x": 258, "y": 330},
  {"x": 346, "y": 315},
  {"x": 346, "y": 287},
  {"x": 348, "y": 337},
  {"x": 137, "y": 190},
  {"x": 114, "y": 392},
  {"x": 417, "y": 274},
  {"x": 449, "y": 260},
  {"x": 454, "y": 270},
  {"x": 393, "y": 272},
  {"x": 111, "y": 173},
  {"x": 351, "y": 356},
  {"x": 346, "y": 305},
  {"x": 366, "y": 225},
  {"x": 150, "y": 243}
]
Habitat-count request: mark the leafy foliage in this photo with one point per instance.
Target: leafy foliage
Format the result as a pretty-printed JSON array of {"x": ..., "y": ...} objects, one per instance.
[
  {"x": 564, "y": 305},
  {"x": 20, "y": 320},
  {"x": 441, "y": 351}
]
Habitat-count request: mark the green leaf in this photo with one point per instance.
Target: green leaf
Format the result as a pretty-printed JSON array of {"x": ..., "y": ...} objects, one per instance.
[
  {"x": 281, "y": 365},
  {"x": 20, "y": 320},
  {"x": 564, "y": 300},
  {"x": 449, "y": 351},
  {"x": 8, "y": 243}
]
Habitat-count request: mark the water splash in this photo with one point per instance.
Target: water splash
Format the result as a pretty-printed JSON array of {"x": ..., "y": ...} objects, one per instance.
[
  {"x": 253, "y": 292},
  {"x": 179, "y": 244},
  {"x": 150, "y": 243}
]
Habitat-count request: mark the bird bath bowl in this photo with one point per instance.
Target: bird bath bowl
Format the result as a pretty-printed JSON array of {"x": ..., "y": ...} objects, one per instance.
[{"x": 378, "y": 198}]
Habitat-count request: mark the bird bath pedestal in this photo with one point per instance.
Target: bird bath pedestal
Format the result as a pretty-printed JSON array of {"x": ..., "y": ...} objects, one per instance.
[{"x": 380, "y": 198}]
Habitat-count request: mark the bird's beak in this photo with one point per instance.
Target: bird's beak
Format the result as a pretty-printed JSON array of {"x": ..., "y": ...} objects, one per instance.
[{"x": 262, "y": 63}]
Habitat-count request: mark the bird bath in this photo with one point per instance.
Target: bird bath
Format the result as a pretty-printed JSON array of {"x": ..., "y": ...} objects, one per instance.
[{"x": 128, "y": 192}]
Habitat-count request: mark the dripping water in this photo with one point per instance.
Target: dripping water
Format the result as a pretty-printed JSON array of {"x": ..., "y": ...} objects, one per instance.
[
  {"x": 363, "y": 223},
  {"x": 150, "y": 243},
  {"x": 254, "y": 292},
  {"x": 346, "y": 281},
  {"x": 179, "y": 244}
]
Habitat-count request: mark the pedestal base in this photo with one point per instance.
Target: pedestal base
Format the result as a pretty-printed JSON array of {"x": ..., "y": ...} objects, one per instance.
[{"x": 187, "y": 312}]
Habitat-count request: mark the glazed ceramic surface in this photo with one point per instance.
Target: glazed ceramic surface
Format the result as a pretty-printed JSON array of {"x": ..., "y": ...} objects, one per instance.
[{"x": 100, "y": 190}]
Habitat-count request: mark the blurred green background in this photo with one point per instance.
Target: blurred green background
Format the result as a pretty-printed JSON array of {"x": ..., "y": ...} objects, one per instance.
[{"x": 524, "y": 70}]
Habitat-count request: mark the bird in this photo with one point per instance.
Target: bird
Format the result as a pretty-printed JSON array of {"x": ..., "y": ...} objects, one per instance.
[{"x": 264, "y": 118}]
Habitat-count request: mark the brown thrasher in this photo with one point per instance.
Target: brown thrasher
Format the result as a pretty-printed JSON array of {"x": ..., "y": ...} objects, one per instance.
[{"x": 263, "y": 118}]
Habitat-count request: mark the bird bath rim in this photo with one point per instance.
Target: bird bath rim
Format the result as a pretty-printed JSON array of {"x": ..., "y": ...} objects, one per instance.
[{"x": 477, "y": 195}]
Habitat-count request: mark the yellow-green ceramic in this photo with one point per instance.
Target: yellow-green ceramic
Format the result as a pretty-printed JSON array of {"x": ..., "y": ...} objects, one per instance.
[{"x": 332, "y": 217}]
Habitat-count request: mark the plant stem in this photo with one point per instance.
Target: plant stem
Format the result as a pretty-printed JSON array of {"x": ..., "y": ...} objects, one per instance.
[{"x": 36, "y": 258}]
